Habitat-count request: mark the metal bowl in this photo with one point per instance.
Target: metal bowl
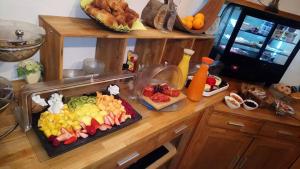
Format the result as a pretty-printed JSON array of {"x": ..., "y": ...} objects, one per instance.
[
  {"x": 15, "y": 55},
  {"x": 19, "y": 40}
]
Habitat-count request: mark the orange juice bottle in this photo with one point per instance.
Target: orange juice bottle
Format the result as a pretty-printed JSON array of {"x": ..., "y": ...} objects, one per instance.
[{"x": 196, "y": 87}]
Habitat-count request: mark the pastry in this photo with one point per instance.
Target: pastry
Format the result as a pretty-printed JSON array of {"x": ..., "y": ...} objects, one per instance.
[{"x": 295, "y": 95}]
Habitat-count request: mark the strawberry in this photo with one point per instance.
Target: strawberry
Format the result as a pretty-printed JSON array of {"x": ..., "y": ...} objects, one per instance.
[
  {"x": 70, "y": 140},
  {"x": 120, "y": 116},
  {"x": 95, "y": 123},
  {"x": 107, "y": 126},
  {"x": 77, "y": 133},
  {"x": 106, "y": 120},
  {"x": 117, "y": 122},
  {"x": 211, "y": 80},
  {"x": 111, "y": 120},
  {"x": 72, "y": 132},
  {"x": 90, "y": 130},
  {"x": 123, "y": 118},
  {"x": 63, "y": 137},
  {"x": 51, "y": 138},
  {"x": 82, "y": 125},
  {"x": 112, "y": 116},
  {"x": 55, "y": 142},
  {"x": 103, "y": 127},
  {"x": 83, "y": 135}
]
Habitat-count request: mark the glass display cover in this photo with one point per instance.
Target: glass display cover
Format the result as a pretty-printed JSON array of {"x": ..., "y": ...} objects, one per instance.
[
  {"x": 281, "y": 45},
  {"x": 251, "y": 36},
  {"x": 227, "y": 25}
]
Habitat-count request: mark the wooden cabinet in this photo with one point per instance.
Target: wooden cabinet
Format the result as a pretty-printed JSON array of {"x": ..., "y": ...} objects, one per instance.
[
  {"x": 176, "y": 134},
  {"x": 236, "y": 123},
  {"x": 296, "y": 165},
  {"x": 216, "y": 149},
  {"x": 226, "y": 141},
  {"x": 265, "y": 153}
]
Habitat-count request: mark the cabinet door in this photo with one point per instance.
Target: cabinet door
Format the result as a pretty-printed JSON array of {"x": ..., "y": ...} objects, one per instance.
[
  {"x": 296, "y": 165},
  {"x": 265, "y": 153},
  {"x": 213, "y": 148}
]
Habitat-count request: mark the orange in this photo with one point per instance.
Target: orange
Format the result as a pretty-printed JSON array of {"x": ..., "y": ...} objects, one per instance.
[
  {"x": 189, "y": 24},
  {"x": 199, "y": 15},
  {"x": 198, "y": 23},
  {"x": 189, "y": 18},
  {"x": 184, "y": 21}
]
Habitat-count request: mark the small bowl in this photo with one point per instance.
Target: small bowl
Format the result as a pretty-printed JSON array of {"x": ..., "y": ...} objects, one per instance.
[
  {"x": 72, "y": 73},
  {"x": 232, "y": 103},
  {"x": 247, "y": 107},
  {"x": 237, "y": 97},
  {"x": 92, "y": 66}
]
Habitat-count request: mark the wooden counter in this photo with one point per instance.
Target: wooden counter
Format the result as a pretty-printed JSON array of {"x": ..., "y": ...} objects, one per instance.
[{"x": 17, "y": 152}]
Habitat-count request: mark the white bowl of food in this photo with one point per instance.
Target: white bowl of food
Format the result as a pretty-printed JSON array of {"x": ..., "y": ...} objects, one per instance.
[
  {"x": 232, "y": 103},
  {"x": 250, "y": 104},
  {"x": 236, "y": 97}
]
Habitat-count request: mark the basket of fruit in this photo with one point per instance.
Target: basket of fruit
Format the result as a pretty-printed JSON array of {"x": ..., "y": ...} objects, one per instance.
[
  {"x": 113, "y": 14},
  {"x": 202, "y": 20}
]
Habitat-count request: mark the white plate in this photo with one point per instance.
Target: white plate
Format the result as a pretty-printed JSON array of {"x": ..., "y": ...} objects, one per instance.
[{"x": 215, "y": 91}]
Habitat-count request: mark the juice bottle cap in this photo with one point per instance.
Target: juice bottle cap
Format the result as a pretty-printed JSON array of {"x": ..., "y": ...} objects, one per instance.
[
  {"x": 207, "y": 60},
  {"x": 189, "y": 51}
]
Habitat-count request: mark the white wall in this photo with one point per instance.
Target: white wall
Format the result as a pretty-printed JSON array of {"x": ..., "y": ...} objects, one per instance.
[
  {"x": 76, "y": 49},
  {"x": 292, "y": 75}
]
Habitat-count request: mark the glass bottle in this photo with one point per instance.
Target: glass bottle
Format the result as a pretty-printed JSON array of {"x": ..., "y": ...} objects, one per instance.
[
  {"x": 183, "y": 66},
  {"x": 196, "y": 87}
]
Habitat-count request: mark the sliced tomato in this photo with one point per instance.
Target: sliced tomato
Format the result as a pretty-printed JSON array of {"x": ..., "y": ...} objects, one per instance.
[
  {"x": 172, "y": 92},
  {"x": 160, "y": 97},
  {"x": 148, "y": 91}
]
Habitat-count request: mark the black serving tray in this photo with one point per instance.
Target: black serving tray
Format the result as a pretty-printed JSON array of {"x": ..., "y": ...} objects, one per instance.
[{"x": 55, "y": 151}]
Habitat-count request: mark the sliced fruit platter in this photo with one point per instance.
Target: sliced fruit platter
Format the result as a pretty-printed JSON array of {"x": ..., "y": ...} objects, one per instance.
[
  {"x": 162, "y": 95},
  {"x": 65, "y": 126}
]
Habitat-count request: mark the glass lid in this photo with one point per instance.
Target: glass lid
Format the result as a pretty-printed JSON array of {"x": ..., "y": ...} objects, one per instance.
[
  {"x": 17, "y": 34},
  {"x": 6, "y": 93}
]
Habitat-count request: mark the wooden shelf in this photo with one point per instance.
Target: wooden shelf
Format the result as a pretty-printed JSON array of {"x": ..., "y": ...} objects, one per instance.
[
  {"x": 79, "y": 27},
  {"x": 152, "y": 46}
]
